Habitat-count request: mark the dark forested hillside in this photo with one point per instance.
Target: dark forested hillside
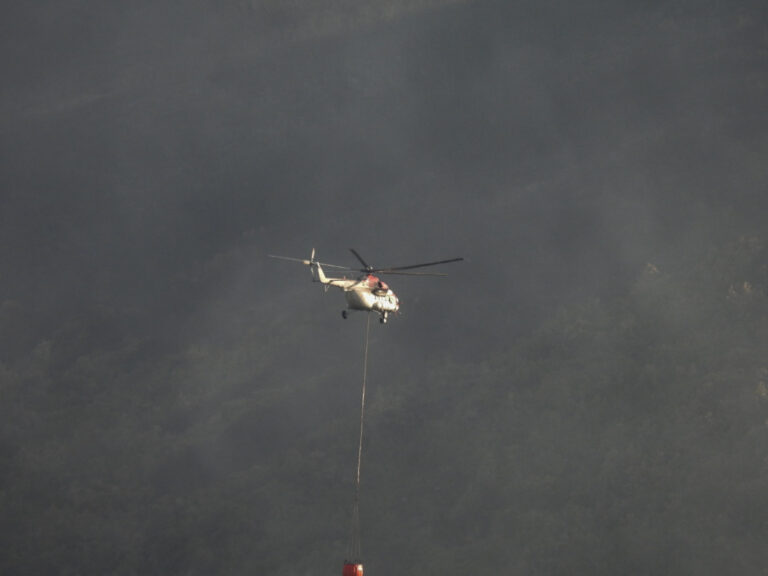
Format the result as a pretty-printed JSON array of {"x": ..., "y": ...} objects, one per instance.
[
  {"x": 626, "y": 434},
  {"x": 587, "y": 393}
]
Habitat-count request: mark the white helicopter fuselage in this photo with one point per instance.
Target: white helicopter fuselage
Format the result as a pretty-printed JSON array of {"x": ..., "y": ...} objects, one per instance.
[
  {"x": 366, "y": 293},
  {"x": 363, "y": 299}
]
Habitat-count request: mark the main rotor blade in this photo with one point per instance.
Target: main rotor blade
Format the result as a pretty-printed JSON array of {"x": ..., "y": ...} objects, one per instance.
[
  {"x": 303, "y": 261},
  {"x": 394, "y": 268},
  {"x": 307, "y": 262},
  {"x": 363, "y": 262},
  {"x": 397, "y": 273}
]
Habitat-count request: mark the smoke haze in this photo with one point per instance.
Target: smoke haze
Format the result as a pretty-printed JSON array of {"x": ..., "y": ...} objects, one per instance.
[{"x": 584, "y": 394}]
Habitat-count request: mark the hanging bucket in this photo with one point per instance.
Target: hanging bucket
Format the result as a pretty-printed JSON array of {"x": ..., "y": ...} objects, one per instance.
[{"x": 351, "y": 569}]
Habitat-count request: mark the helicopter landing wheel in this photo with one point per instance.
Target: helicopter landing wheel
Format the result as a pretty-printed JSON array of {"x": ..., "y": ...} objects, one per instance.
[{"x": 383, "y": 320}]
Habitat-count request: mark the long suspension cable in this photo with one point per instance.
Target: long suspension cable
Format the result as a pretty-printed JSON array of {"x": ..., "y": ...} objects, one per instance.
[
  {"x": 355, "y": 549},
  {"x": 362, "y": 404}
]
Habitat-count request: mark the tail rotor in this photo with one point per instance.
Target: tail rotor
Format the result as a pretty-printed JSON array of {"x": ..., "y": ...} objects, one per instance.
[{"x": 313, "y": 266}]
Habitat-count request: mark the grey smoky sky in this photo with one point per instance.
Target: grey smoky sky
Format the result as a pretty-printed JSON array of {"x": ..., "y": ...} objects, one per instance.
[
  {"x": 153, "y": 153},
  {"x": 557, "y": 147}
]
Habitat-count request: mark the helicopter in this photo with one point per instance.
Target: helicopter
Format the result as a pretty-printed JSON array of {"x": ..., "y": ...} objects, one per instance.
[{"x": 366, "y": 291}]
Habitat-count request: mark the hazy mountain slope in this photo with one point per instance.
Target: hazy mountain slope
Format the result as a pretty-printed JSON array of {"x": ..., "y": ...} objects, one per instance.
[{"x": 585, "y": 394}]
